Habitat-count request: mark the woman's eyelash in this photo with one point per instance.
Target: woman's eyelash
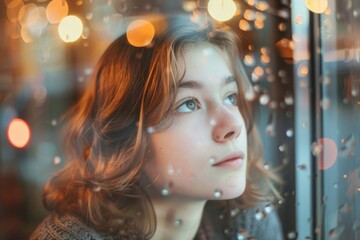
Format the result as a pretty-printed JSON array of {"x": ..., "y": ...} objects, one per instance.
[{"x": 188, "y": 105}]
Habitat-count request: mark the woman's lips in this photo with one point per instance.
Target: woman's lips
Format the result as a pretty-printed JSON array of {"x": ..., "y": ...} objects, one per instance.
[{"x": 233, "y": 160}]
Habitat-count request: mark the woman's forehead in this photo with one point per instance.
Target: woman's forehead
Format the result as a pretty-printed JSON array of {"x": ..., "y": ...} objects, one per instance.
[{"x": 199, "y": 61}]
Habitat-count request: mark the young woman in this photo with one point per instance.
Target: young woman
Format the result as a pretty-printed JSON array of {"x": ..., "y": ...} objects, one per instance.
[{"x": 162, "y": 146}]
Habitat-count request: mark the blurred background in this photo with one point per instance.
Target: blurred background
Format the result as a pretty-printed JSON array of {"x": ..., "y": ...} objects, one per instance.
[{"x": 302, "y": 57}]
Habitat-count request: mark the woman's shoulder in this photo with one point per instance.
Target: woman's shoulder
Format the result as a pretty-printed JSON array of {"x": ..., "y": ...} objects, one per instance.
[{"x": 66, "y": 226}]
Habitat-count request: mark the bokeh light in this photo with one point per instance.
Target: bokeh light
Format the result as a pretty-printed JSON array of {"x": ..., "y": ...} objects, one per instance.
[
  {"x": 13, "y": 9},
  {"x": 18, "y": 133},
  {"x": 70, "y": 28},
  {"x": 222, "y": 10},
  {"x": 56, "y": 10},
  {"x": 140, "y": 33},
  {"x": 316, "y": 6},
  {"x": 326, "y": 151},
  {"x": 244, "y": 25}
]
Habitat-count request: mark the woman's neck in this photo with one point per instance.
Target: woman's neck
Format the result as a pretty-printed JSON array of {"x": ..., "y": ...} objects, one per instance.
[{"x": 177, "y": 218}]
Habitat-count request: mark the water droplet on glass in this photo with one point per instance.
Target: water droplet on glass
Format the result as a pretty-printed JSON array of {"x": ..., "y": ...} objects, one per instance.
[
  {"x": 266, "y": 166},
  {"x": 53, "y": 122},
  {"x": 171, "y": 170},
  {"x": 289, "y": 100},
  {"x": 292, "y": 235},
  {"x": 264, "y": 99},
  {"x": 289, "y": 133},
  {"x": 345, "y": 176},
  {"x": 150, "y": 130},
  {"x": 96, "y": 189},
  {"x": 303, "y": 71},
  {"x": 282, "y": 27},
  {"x": 234, "y": 212},
  {"x": 316, "y": 149},
  {"x": 242, "y": 234},
  {"x": 335, "y": 232},
  {"x": 57, "y": 160},
  {"x": 212, "y": 122},
  {"x": 283, "y": 13},
  {"x": 121, "y": 6},
  {"x": 298, "y": 20},
  {"x": 250, "y": 94},
  {"x": 301, "y": 166},
  {"x": 165, "y": 191},
  {"x": 260, "y": 215},
  {"x": 217, "y": 193},
  {"x": 227, "y": 231},
  {"x": 106, "y": 19},
  {"x": 282, "y": 148},
  {"x": 270, "y": 130},
  {"x": 355, "y": 13},
  {"x": 356, "y": 225},
  {"x": 336, "y": 185},
  {"x": 89, "y": 16},
  {"x": 304, "y": 125},
  {"x": 354, "y": 92},
  {"x": 345, "y": 208},
  {"x": 325, "y": 103},
  {"x": 178, "y": 222},
  {"x": 268, "y": 208},
  {"x": 211, "y": 161},
  {"x": 86, "y": 32}
]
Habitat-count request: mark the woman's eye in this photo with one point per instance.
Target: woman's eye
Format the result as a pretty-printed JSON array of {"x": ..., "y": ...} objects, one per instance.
[
  {"x": 232, "y": 99},
  {"x": 188, "y": 106}
]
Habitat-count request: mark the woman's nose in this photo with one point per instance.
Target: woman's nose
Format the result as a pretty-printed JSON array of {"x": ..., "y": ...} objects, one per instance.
[{"x": 226, "y": 126}]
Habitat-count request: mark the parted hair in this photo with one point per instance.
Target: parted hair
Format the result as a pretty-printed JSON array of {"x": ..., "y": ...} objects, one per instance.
[{"x": 106, "y": 137}]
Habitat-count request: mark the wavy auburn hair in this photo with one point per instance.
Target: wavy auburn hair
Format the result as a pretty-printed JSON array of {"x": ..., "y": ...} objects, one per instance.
[{"x": 106, "y": 140}]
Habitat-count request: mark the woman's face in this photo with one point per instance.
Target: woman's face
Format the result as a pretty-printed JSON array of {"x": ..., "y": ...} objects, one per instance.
[{"x": 202, "y": 155}]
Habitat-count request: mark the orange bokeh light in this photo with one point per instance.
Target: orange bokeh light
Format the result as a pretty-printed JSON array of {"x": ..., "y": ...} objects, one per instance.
[
  {"x": 56, "y": 10},
  {"x": 18, "y": 133},
  {"x": 140, "y": 33}
]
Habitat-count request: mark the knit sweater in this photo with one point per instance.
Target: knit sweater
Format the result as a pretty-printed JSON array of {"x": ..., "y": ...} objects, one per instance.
[{"x": 260, "y": 223}]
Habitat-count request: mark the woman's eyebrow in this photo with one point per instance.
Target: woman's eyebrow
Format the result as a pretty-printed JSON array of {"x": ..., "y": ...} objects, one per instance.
[{"x": 193, "y": 84}]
